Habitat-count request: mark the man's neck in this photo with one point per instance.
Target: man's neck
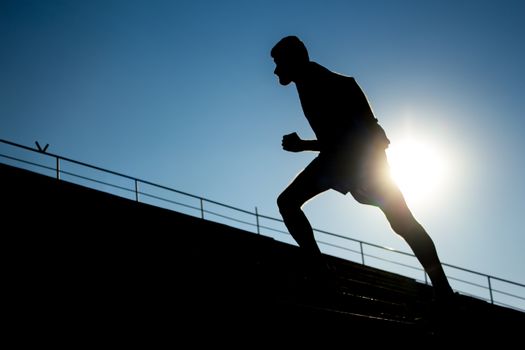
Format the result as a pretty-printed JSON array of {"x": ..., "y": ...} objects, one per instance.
[{"x": 302, "y": 73}]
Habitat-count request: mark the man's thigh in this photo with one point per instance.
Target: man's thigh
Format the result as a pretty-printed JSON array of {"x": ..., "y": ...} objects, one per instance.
[{"x": 310, "y": 182}]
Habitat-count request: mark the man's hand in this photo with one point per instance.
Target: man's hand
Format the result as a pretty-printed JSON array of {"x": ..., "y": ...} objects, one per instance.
[{"x": 293, "y": 143}]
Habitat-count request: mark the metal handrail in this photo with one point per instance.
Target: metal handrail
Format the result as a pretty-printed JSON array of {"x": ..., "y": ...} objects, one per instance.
[{"x": 258, "y": 217}]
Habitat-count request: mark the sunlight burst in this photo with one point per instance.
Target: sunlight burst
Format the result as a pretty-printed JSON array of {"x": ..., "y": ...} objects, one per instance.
[{"x": 418, "y": 168}]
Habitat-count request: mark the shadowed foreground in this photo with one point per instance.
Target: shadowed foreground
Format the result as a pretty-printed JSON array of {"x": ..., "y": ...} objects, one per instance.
[{"x": 88, "y": 267}]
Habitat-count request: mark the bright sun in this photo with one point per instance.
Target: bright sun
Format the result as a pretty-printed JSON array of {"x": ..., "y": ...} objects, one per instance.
[{"x": 418, "y": 168}]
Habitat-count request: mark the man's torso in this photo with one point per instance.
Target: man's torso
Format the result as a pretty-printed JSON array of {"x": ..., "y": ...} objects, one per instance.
[{"x": 337, "y": 110}]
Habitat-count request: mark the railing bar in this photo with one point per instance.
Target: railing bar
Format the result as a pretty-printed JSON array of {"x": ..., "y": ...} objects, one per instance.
[
  {"x": 257, "y": 220},
  {"x": 68, "y": 159},
  {"x": 468, "y": 294},
  {"x": 496, "y": 278},
  {"x": 369, "y": 244},
  {"x": 130, "y": 190},
  {"x": 58, "y": 167},
  {"x": 89, "y": 179},
  {"x": 338, "y": 246},
  {"x": 170, "y": 189},
  {"x": 508, "y": 294},
  {"x": 274, "y": 229},
  {"x": 230, "y": 218},
  {"x": 481, "y": 274},
  {"x": 104, "y": 170},
  {"x": 270, "y": 218},
  {"x": 168, "y": 200},
  {"x": 228, "y": 206},
  {"x": 393, "y": 262},
  {"x": 371, "y": 256},
  {"x": 467, "y": 282},
  {"x": 21, "y": 146},
  {"x": 96, "y": 181},
  {"x": 490, "y": 290},
  {"x": 28, "y": 162}
]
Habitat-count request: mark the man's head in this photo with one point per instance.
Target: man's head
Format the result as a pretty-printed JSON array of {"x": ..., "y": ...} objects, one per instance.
[{"x": 290, "y": 56}]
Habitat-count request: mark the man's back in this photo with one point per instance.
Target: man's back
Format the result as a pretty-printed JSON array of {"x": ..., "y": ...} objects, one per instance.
[{"x": 336, "y": 108}]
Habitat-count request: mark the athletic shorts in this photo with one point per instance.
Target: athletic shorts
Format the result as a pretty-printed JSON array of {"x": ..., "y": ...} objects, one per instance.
[{"x": 365, "y": 175}]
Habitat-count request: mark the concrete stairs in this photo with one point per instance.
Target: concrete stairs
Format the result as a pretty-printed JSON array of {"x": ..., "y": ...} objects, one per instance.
[{"x": 97, "y": 269}]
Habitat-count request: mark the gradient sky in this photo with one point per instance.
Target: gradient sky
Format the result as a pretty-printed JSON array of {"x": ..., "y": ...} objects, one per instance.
[{"x": 182, "y": 93}]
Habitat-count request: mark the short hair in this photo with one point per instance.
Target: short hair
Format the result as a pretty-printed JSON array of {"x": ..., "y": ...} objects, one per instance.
[{"x": 291, "y": 47}]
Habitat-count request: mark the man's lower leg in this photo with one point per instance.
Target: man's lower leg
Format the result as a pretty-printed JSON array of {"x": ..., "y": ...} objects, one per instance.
[
  {"x": 425, "y": 250},
  {"x": 301, "y": 230}
]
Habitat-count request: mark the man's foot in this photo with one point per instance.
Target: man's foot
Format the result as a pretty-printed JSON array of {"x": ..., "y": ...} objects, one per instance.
[
  {"x": 443, "y": 293},
  {"x": 446, "y": 305},
  {"x": 321, "y": 278}
]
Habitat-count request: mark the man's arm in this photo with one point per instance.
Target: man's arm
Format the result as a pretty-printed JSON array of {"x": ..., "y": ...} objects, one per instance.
[{"x": 293, "y": 143}]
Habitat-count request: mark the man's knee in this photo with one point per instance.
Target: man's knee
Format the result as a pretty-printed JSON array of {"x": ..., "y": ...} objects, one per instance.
[
  {"x": 282, "y": 202},
  {"x": 287, "y": 202}
]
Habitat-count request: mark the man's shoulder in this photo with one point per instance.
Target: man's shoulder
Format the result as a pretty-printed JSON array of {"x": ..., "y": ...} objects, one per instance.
[{"x": 322, "y": 72}]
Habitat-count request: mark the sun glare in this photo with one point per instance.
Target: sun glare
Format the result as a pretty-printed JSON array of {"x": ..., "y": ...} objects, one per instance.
[{"x": 418, "y": 168}]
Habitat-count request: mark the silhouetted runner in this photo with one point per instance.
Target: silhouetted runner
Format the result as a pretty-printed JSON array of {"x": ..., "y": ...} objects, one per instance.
[{"x": 352, "y": 158}]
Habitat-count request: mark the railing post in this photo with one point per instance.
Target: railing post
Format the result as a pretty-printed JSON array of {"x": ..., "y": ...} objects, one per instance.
[
  {"x": 136, "y": 190},
  {"x": 257, "y": 220},
  {"x": 202, "y": 208},
  {"x": 58, "y": 168},
  {"x": 362, "y": 253},
  {"x": 490, "y": 291}
]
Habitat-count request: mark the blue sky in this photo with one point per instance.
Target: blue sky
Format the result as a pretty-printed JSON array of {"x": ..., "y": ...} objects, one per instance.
[{"x": 182, "y": 93}]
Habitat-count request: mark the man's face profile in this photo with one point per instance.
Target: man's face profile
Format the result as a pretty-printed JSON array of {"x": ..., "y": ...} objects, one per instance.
[{"x": 283, "y": 70}]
